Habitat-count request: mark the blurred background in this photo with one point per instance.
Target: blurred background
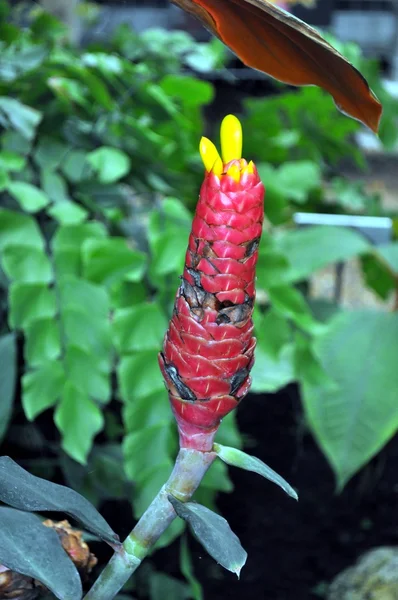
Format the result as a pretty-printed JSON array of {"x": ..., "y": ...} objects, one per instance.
[{"x": 102, "y": 106}]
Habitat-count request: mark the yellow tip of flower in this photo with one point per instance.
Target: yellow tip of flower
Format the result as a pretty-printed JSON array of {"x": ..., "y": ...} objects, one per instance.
[
  {"x": 218, "y": 167},
  {"x": 249, "y": 168},
  {"x": 231, "y": 138},
  {"x": 209, "y": 154},
  {"x": 234, "y": 172}
]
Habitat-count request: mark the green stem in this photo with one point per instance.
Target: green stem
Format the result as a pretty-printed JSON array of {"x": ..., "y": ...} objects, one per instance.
[{"x": 188, "y": 472}]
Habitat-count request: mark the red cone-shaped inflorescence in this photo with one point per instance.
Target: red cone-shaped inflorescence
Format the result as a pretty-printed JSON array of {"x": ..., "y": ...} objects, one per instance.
[{"x": 209, "y": 347}]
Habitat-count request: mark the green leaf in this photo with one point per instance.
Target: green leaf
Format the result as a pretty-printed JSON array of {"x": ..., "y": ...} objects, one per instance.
[
  {"x": 168, "y": 253},
  {"x": 26, "y": 263},
  {"x": 145, "y": 449},
  {"x": 389, "y": 253},
  {"x": 139, "y": 375},
  {"x": 147, "y": 411},
  {"x": 42, "y": 342},
  {"x": 8, "y": 370},
  {"x": 73, "y": 236},
  {"x": 272, "y": 268},
  {"x": 30, "y": 301},
  {"x": 141, "y": 327},
  {"x": 298, "y": 179},
  {"x": 87, "y": 373},
  {"x": 26, "y": 492},
  {"x": 274, "y": 366},
  {"x": 83, "y": 295},
  {"x": 312, "y": 248},
  {"x": 79, "y": 420},
  {"x": 50, "y": 153},
  {"x": 21, "y": 117},
  {"x": 357, "y": 413},
  {"x": 74, "y": 165},
  {"x": 214, "y": 533},
  {"x": 68, "y": 213},
  {"x": 11, "y": 161},
  {"x": 377, "y": 274},
  {"x": 237, "y": 458},
  {"x": 30, "y": 197},
  {"x": 54, "y": 186},
  {"x": 190, "y": 90},
  {"x": 111, "y": 164},
  {"x": 107, "y": 261},
  {"x": 41, "y": 388},
  {"x": 32, "y": 549},
  {"x": 16, "y": 229},
  {"x": 288, "y": 301}
]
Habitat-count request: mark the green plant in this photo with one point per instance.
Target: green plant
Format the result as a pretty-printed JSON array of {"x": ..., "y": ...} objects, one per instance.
[{"x": 92, "y": 242}]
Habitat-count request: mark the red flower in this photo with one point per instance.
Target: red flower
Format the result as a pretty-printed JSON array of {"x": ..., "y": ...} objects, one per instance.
[{"x": 208, "y": 349}]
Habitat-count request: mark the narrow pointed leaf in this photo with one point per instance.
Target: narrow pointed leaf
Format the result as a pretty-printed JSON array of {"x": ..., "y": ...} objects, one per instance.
[
  {"x": 214, "y": 533},
  {"x": 32, "y": 549},
  {"x": 267, "y": 38},
  {"x": 237, "y": 458},
  {"x": 24, "y": 491}
]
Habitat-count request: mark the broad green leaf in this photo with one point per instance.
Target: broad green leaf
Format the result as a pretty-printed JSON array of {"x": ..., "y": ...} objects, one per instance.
[
  {"x": 16, "y": 229},
  {"x": 79, "y": 420},
  {"x": 312, "y": 248},
  {"x": 50, "y": 153},
  {"x": 30, "y": 197},
  {"x": 308, "y": 367},
  {"x": 22, "y": 118},
  {"x": 139, "y": 328},
  {"x": 27, "y": 264},
  {"x": 11, "y": 161},
  {"x": 273, "y": 332},
  {"x": 297, "y": 179},
  {"x": 42, "y": 342},
  {"x": 74, "y": 165},
  {"x": 389, "y": 253},
  {"x": 83, "y": 295},
  {"x": 26, "y": 492},
  {"x": 107, "y": 261},
  {"x": 30, "y": 548},
  {"x": 289, "y": 302},
  {"x": 30, "y": 301},
  {"x": 168, "y": 253},
  {"x": 87, "y": 373},
  {"x": 357, "y": 413},
  {"x": 111, "y": 164},
  {"x": 67, "y": 262},
  {"x": 139, "y": 375},
  {"x": 8, "y": 369},
  {"x": 145, "y": 449},
  {"x": 72, "y": 236},
  {"x": 54, "y": 186},
  {"x": 90, "y": 332},
  {"x": 271, "y": 373},
  {"x": 237, "y": 458},
  {"x": 190, "y": 90},
  {"x": 214, "y": 533},
  {"x": 42, "y": 388},
  {"x": 272, "y": 268},
  {"x": 146, "y": 411},
  {"x": 68, "y": 213}
]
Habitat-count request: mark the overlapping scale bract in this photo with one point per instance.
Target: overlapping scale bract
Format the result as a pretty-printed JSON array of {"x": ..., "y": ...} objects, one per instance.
[{"x": 209, "y": 347}]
